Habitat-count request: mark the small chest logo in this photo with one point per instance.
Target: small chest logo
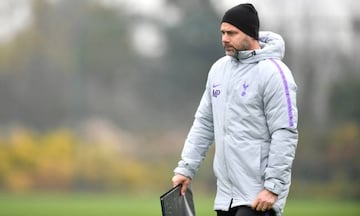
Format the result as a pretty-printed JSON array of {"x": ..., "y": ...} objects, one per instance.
[
  {"x": 245, "y": 86},
  {"x": 216, "y": 92}
]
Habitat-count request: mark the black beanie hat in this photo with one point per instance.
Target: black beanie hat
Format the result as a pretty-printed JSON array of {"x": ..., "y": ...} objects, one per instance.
[{"x": 245, "y": 18}]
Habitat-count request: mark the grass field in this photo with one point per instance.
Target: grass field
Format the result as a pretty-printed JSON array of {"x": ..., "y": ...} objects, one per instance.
[{"x": 117, "y": 205}]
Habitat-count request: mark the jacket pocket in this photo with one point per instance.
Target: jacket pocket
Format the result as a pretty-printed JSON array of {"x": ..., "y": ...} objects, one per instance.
[{"x": 245, "y": 172}]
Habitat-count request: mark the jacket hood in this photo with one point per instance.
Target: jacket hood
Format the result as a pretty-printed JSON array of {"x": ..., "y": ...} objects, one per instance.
[{"x": 272, "y": 46}]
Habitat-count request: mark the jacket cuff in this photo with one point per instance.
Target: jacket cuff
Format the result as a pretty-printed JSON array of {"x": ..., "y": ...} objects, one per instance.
[
  {"x": 184, "y": 169},
  {"x": 276, "y": 188}
]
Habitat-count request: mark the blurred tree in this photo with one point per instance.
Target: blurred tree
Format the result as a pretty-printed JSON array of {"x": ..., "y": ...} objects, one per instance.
[
  {"x": 59, "y": 160},
  {"x": 344, "y": 101},
  {"x": 55, "y": 160},
  {"x": 194, "y": 45},
  {"x": 342, "y": 152},
  {"x": 21, "y": 155},
  {"x": 342, "y": 158}
]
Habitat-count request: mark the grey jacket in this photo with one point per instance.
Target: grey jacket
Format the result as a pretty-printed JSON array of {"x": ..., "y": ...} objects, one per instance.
[{"x": 249, "y": 110}]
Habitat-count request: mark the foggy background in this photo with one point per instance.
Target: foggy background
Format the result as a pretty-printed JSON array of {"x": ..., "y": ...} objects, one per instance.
[{"x": 99, "y": 95}]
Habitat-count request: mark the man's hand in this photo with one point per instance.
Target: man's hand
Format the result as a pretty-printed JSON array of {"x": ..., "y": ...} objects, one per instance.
[
  {"x": 180, "y": 179},
  {"x": 264, "y": 201}
]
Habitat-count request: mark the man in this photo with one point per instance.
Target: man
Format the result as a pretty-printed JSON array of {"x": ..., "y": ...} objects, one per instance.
[{"x": 249, "y": 110}]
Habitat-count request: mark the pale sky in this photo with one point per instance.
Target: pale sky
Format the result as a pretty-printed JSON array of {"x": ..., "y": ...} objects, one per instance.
[{"x": 15, "y": 15}]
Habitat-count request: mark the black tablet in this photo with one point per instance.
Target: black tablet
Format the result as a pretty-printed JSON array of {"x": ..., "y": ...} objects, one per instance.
[{"x": 174, "y": 204}]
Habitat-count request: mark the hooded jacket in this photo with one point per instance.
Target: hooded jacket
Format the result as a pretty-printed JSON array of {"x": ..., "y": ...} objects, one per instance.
[{"x": 249, "y": 110}]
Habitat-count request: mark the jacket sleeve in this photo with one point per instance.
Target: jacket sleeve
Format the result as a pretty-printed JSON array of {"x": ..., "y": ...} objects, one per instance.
[
  {"x": 281, "y": 115},
  {"x": 199, "y": 139}
]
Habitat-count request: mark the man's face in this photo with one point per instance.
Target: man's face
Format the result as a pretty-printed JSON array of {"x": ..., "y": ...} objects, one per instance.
[{"x": 233, "y": 39}]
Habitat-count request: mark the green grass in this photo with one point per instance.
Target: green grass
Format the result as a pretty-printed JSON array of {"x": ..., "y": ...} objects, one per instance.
[
  {"x": 121, "y": 205},
  {"x": 322, "y": 207}
]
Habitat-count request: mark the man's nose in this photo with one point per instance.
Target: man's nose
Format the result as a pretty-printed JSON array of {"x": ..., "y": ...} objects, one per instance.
[{"x": 225, "y": 38}]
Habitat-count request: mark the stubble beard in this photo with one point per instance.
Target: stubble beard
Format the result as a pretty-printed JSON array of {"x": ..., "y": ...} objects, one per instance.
[
  {"x": 231, "y": 52},
  {"x": 234, "y": 52}
]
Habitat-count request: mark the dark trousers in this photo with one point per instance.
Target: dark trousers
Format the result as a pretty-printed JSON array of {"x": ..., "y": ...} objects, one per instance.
[{"x": 245, "y": 211}]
